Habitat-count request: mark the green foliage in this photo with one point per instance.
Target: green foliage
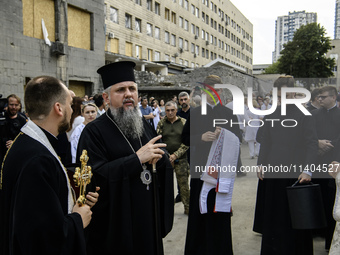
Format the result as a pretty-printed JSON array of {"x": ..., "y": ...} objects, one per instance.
[
  {"x": 305, "y": 56},
  {"x": 273, "y": 68}
]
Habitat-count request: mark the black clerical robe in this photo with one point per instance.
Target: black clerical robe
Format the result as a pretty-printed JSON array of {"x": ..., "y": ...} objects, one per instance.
[
  {"x": 9, "y": 129},
  {"x": 311, "y": 108},
  {"x": 35, "y": 203},
  {"x": 286, "y": 146},
  {"x": 183, "y": 114},
  {"x": 208, "y": 233},
  {"x": 123, "y": 220},
  {"x": 327, "y": 128}
]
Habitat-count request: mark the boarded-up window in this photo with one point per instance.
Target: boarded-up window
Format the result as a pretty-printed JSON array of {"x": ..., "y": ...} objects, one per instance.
[
  {"x": 167, "y": 14},
  {"x": 173, "y": 17},
  {"x": 79, "y": 28},
  {"x": 150, "y": 53},
  {"x": 128, "y": 49},
  {"x": 33, "y": 11},
  {"x": 114, "y": 45},
  {"x": 78, "y": 88}
]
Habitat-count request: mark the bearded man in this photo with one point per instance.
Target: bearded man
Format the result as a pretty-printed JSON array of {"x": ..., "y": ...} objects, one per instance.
[
  {"x": 14, "y": 122},
  {"x": 122, "y": 146},
  {"x": 38, "y": 212},
  {"x": 184, "y": 101}
]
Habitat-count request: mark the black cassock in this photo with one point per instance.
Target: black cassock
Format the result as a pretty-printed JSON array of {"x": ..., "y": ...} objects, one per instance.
[
  {"x": 208, "y": 233},
  {"x": 328, "y": 128},
  {"x": 286, "y": 146},
  {"x": 123, "y": 219},
  {"x": 34, "y": 203}
]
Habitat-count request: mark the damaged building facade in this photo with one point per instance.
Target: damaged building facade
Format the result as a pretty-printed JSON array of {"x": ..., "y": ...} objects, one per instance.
[
  {"x": 71, "y": 50},
  {"x": 173, "y": 43},
  {"x": 164, "y": 87}
]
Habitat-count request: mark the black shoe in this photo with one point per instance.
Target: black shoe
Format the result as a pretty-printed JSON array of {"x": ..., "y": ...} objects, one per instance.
[{"x": 178, "y": 198}]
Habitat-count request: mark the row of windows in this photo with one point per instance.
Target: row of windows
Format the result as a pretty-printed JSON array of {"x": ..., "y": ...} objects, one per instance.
[
  {"x": 171, "y": 39},
  {"x": 205, "y": 18},
  {"x": 156, "y": 56},
  {"x": 194, "y": 49},
  {"x": 224, "y": 17},
  {"x": 171, "y": 16},
  {"x": 148, "y": 4},
  {"x": 184, "y": 44},
  {"x": 182, "y": 23}
]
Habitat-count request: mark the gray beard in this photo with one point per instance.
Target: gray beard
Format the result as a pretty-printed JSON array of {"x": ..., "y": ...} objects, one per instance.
[{"x": 129, "y": 121}]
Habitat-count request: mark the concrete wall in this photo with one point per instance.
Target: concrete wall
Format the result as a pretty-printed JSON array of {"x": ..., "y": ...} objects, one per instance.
[
  {"x": 169, "y": 85},
  {"x": 23, "y": 57},
  {"x": 335, "y": 53}
]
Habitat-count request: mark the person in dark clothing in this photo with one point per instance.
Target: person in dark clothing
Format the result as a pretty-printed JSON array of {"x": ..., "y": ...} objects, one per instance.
[
  {"x": 183, "y": 112},
  {"x": 207, "y": 233},
  {"x": 14, "y": 121},
  {"x": 99, "y": 101},
  {"x": 283, "y": 146},
  {"x": 171, "y": 127},
  {"x": 122, "y": 149},
  {"x": 327, "y": 119},
  {"x": 38, "y": 211},
  {"x": 184, "y": 101},
  {"x": 314, "y": 103}
]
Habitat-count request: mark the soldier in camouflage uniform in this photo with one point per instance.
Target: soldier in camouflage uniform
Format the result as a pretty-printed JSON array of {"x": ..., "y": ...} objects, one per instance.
[{"x": 170, "y": 127}]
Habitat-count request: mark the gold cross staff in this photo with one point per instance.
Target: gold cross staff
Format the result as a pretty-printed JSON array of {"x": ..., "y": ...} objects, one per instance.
[{"x": 82, "y": 177}]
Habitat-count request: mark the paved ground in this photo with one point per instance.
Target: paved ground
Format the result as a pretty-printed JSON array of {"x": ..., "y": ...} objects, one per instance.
[{"x": 245, "y": 241}]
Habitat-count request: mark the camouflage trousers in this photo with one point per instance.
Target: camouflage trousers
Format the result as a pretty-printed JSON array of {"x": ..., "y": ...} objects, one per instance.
[{"x": 182, "y": 175}]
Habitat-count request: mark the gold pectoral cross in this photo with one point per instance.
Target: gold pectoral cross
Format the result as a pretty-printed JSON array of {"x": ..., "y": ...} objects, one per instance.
[{"x": 82, "y": 176}]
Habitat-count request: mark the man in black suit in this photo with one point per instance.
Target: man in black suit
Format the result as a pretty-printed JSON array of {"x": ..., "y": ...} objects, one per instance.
[{"x": 327, "y": 119}]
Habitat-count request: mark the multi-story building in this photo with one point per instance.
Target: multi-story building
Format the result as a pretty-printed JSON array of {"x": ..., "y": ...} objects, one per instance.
[
  {"x": 335, "y": 54},
  {"x": 285, "y": 27},
  {"x": 180, "y": 33},
  {"x": 64, "y": 39},
  {"x": 259, "y": 69},
  {"x": 337, "y": 20}
]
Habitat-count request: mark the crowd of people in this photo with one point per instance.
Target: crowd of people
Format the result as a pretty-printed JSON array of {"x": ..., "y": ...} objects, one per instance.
[{"x": 135, "y": 145}]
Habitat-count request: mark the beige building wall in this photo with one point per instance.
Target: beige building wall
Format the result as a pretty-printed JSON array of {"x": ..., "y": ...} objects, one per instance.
[
  {"x": 335, "y": 53},
  {"x": 230, "y": 33}
]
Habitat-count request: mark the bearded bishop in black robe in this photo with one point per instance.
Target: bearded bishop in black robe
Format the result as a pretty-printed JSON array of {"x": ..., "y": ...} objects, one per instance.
[{"x": 124, "y": 219}]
